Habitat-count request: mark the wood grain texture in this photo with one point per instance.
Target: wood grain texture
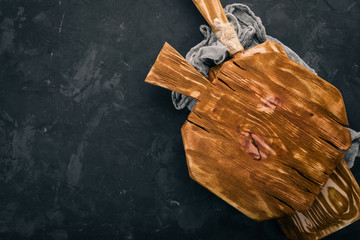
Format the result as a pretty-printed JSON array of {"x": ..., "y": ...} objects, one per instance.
[
  {"x": 334, "y": 208},
  {"x": 265, "y": 134},
  {"x": 211, "y": 9},
  {"x": 172, "y": 71}
]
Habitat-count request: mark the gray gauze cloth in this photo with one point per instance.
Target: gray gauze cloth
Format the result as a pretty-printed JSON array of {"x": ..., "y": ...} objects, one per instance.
[{"x": 251, "y": 32}]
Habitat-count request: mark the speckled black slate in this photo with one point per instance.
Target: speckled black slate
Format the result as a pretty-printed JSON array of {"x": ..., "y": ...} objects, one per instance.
[{"x": 89, "y": 151}]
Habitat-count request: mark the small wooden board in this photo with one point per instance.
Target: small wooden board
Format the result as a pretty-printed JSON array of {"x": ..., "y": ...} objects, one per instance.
[
  {"x": 334, "y": 208},
  {"x": 266, "y": 132}
]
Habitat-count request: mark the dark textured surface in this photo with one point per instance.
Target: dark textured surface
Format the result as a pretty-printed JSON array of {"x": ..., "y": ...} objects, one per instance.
[{"x": 89, "y": 151}]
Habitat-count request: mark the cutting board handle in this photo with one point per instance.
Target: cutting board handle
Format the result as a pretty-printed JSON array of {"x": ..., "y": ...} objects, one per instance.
[
  {"x": 214, "y": 14},
  {"x": 173, "y": 72}
]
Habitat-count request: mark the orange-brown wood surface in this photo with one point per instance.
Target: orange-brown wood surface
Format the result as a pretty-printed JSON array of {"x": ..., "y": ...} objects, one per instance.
[
  {"x": 334, "y": 208},
  {"x": 265, "y": 133},
  {"x": 211, "y": 9}
]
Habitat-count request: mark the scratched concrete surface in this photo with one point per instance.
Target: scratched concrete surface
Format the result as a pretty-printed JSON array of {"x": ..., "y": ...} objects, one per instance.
[{"x": 89, "y": 151}]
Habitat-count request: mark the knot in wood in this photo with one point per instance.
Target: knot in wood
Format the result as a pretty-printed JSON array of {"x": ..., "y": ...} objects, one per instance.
[
  {"x": 253, "y": 144},
  {"x": 270, "y": 104}
]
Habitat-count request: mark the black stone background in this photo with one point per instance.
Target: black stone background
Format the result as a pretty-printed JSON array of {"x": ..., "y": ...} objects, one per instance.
[{"x": 89, "y": 151}]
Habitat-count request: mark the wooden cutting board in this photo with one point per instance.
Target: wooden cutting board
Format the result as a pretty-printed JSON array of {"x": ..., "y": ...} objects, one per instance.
[
  {"x": 266, "y": 132},
  {"x": 264, "y": 135},
  {"x": 334, "y": 208}
]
